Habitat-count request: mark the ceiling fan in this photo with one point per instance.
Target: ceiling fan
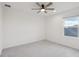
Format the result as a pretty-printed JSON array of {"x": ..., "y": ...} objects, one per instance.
[{"x": 43, "y": 7}]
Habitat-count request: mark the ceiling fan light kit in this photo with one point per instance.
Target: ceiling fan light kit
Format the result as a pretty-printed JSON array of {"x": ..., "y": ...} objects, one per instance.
[{"x": 42, "y": 10}]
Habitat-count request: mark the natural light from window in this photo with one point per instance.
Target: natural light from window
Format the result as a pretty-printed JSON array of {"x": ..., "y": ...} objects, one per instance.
[{"x": 71, "y": 25}]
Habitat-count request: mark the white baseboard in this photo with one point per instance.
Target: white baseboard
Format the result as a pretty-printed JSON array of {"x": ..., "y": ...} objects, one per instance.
[
  {"x": 23, "y": 43},
  {"x": 68, "y": 46}
]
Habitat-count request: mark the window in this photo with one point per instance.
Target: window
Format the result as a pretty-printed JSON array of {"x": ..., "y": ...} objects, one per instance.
[{"x": 71, "y": 26}]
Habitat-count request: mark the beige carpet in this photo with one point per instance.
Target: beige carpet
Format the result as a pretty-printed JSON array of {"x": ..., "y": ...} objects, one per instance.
[{"x": 40, "y": 49}]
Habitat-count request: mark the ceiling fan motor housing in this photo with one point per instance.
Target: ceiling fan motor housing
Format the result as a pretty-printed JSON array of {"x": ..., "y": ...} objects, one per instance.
[{"x": 43, "y": 6}]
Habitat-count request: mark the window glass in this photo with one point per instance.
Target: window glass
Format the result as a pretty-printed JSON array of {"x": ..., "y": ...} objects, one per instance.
[{"x": 71, "y": 26}]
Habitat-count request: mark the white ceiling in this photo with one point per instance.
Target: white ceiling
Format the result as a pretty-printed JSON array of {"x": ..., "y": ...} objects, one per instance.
[
  {"x": 27, "y": 6},
  {"x": 64, "y": 6}
]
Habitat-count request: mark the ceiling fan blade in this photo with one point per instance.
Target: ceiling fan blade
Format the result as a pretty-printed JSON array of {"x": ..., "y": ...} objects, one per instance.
[
  {"x": 36, "y": 9},
  {"x": 49, "y": 8},
  {"x": 38, "y": 4},
  {"x": 50, "y": 3},
  {"x": 45, "y": 11}
]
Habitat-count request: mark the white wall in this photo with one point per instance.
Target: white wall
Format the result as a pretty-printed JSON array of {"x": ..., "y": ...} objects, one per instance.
[
  {"x": 0, "y": 28},
  {"x": 22, "y": 28},
  {"x": 55, "y": 29}
]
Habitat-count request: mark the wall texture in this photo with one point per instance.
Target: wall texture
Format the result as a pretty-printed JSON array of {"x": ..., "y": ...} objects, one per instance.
[
  {"x": 22, "y": 28},
  {"x": 0, "y": 28},
  {"x": 55, "y": 29}
]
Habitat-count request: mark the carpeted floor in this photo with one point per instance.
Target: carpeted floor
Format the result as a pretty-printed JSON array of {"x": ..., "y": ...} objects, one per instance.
[{"x": 40, "y": 49}]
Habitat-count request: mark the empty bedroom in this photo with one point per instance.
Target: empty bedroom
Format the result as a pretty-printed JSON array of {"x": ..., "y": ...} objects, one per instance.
[{"x": 39, "y": 29}]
